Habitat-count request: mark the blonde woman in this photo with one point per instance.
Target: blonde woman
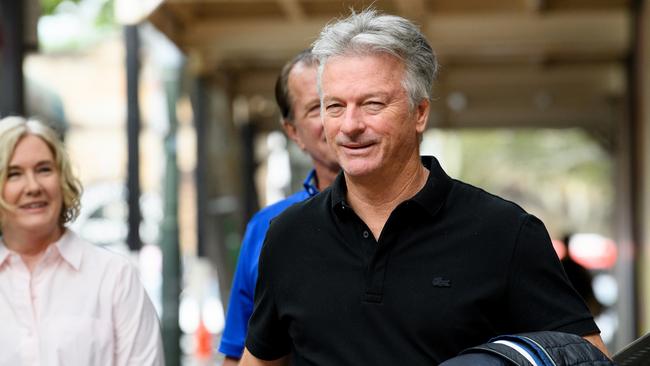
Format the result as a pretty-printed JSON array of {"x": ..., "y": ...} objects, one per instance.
[{"x": 63, "y": 301}]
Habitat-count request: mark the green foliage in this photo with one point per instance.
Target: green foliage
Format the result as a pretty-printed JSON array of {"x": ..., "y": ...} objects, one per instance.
[
  {"x": 94, "y": 21},
  {"x": 106, "y": 16},
  {"x": 49, "y": 6},
  {"x": 563, "y": 176}
]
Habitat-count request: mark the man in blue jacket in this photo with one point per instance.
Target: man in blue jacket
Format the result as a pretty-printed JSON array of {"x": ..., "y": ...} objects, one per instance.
[{"x": 297, "y": 98}]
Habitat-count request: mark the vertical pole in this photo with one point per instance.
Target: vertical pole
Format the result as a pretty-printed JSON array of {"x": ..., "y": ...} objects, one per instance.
[
  {"x": 251, "y": 204},
  {"x": 12, "y": 50},
  {"x": 630, "y": 250},
  {"x": 199, "y": 106},
  {"x": 641, "y": 78},
  {"x": 133, "y": 133},
  {"x": 169, "y": 243}
]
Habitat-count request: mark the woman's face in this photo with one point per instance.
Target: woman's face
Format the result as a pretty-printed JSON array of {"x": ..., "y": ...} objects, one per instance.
[{"x": 33, "y": 189}]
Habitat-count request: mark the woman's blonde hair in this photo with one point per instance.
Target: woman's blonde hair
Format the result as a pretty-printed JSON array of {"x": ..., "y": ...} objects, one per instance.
[{"x": 12, "y": 130}]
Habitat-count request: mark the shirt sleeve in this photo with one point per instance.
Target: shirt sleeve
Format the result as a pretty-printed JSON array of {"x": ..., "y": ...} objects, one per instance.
[
  {"x": 136, "y": 327},
  {"x": 268, "y": 335},
  {"x": 240, "y": 305},
  {"x": 540, "y": 296}
]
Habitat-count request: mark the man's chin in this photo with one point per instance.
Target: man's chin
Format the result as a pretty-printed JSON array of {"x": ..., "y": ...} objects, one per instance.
[{"x": 358, "y": 169}]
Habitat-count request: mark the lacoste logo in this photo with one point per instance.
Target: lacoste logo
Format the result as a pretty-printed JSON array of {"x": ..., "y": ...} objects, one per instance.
[{"x": 441, "y": 282}]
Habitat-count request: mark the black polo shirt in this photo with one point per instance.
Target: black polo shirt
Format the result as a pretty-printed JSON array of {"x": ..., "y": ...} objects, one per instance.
[{"x": 454, "y": 266}]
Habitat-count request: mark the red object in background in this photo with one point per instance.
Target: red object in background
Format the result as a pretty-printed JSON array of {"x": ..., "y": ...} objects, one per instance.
[
  {"x": 203, "y": 342},
  {"x": 592, "y": 251}
]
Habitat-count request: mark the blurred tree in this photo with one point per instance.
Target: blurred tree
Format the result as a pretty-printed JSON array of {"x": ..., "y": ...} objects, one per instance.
[
  {"x": 104, "y": 17},
  {"x": 49, "y": 6},
  {"x": 563, "y": 176},
  {"x": 73, "y": 25}
]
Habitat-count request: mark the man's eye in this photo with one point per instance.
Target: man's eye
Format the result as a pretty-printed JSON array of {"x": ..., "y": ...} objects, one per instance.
[
  {"x": 374, "y": 105},
  {"x": 334, "y": 108},
  {"x": 314, "y": 111}
]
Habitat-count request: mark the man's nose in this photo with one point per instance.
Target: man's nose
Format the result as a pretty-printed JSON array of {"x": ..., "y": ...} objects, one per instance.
[{"x": 352, "y": 121}]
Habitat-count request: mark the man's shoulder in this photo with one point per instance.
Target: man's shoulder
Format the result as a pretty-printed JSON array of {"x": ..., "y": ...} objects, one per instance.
[
  {"x": 269, "y": 212},
  {"x": 484, "y": 202},
  {"x": 295, "y": 231},
  {"x": 303, "y": 214},
  {"x": 309, "y": 207}
]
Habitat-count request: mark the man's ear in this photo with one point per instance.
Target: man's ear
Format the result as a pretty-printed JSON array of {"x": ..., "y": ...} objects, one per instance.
[
  {"x": 422, "y": 115},
  {"x": 292, "y": 133}
]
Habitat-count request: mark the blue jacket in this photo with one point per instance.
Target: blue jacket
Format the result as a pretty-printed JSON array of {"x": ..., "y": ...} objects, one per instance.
[{"x": 240, "y": 306}]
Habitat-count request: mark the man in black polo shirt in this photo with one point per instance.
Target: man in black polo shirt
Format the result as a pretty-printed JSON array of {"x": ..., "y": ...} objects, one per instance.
[{"x": 397, "y": 263}]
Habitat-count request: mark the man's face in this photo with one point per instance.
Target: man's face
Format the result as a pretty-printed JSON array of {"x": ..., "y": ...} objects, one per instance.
[
  {"x": 366, "y": 114},
  {"x": 307, "y": 129}
]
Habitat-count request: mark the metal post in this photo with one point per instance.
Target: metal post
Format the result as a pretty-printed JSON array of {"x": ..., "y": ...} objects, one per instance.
[
  {"x": 132, "y": 42},
  {"x": 628, "y": 307},
  {"x": 249, "y": 165},
  {"x": 199, "y": 107},
  {"x": 12, "y": 50},
  {"x": 169, "y": 242}
]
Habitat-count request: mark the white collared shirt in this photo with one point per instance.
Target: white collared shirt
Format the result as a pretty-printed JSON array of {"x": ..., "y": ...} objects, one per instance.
[{"x": 82, "y": 305}]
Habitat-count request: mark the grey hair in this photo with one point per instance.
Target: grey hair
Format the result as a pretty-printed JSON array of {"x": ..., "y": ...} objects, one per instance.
[{"x": 369, "y": 32}]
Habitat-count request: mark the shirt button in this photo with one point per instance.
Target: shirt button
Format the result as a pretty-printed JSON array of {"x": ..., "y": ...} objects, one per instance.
[{"x": 366, "y": 234}]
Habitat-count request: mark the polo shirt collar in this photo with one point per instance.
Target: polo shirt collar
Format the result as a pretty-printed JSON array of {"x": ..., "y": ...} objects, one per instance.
[
  {"x": 339, "y": 189},
  {"x": 431, "y": 197},
  {"x": 434, "y": 193}
]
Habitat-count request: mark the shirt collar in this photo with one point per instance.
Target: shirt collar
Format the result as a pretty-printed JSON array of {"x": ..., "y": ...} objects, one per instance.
[
  {"x": 69, "y": 248},
  {"x": 431, "y": 197},
  {"x": 66, "y": 246},
  {"x": 434, "y": 193},
  {"x": 339, "y": 190},
  {"x": 311, "y": 183},
  {"x": 4, "y": 252}
]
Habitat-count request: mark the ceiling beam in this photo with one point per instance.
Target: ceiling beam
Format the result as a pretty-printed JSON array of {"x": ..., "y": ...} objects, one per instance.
[
  {"x": 460, "y": 37},
  {"x": 535, "y": 6},
  {"x": 294, "y": 11},
  {"x": 168, "y": 23},
  {"x": 581, "y": 94},
  {"x": 485, "y": 36},
  {"x": 414, "y": 10},
  {"x": 593, "y": 78}
]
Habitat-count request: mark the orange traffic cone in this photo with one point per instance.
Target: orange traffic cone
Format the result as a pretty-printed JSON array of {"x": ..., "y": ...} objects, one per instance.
[{"x": 203, "y": 342}]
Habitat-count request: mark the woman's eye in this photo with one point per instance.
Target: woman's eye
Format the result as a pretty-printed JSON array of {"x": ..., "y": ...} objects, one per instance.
[
  {"x": 13, "y": 174},
  {"x": 45, "y": 169}
]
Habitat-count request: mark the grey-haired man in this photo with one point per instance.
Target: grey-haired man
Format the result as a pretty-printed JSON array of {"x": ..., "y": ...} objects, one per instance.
[{"x": 397, "y": 263}]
